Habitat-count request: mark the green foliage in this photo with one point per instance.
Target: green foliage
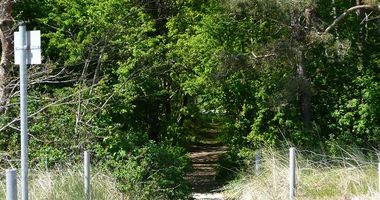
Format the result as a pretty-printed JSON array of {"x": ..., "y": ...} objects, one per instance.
[
  {"x": 106, "y": 85},
  {"x": 229, "y": 165},
  {"x": 130, "y": 78},
  {"x": 152, "y": 172}
]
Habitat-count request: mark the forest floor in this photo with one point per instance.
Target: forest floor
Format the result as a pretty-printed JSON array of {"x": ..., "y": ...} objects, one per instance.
[{"x": 204, "y": 156}]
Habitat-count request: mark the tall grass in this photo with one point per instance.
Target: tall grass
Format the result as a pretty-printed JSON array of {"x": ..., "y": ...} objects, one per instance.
[
  {"x": 66, "y": 185},
  {"x": 318, "y": 177}
]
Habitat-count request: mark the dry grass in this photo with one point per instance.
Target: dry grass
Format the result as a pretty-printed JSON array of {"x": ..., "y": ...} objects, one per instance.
[
  {"x": 66, "y": 185},
  {"x": 328, "y": 178}
]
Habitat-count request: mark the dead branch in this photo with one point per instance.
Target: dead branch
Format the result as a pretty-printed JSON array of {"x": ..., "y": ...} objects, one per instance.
[
  {"x": 262, "y": 56},
  {"x": 350, "y": 10}
]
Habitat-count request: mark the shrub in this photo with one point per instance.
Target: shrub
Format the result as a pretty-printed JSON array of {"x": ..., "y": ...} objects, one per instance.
[{"x": 155, "y": 171}]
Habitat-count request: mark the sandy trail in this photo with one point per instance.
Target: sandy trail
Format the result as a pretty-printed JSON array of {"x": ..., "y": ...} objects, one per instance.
[{"x": 204, "y": 158}]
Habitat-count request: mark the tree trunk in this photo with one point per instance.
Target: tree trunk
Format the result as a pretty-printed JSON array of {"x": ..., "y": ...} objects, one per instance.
[
  {"x": 300, "y": 30},
  {"x": 181, "y": 117},
  {"x": 361, "y": 17},
  {"x": 304, "y": 93},
  {"x": 6, "y": 37}
]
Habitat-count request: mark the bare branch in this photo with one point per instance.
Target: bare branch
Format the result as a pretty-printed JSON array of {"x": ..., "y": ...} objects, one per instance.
[
  {"x": 57, "y": 102},
  {"x": 262, "y": 56},
  {"x": 350, "y": 10}
]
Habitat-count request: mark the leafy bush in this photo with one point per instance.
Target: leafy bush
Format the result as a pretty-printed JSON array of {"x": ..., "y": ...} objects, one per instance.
[
  {"x": 229, "y": 166},
  {"x": 154, "y": 171}
]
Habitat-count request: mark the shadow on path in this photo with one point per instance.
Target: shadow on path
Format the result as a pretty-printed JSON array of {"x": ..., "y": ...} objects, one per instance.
[{"x": 204, "y": 157}]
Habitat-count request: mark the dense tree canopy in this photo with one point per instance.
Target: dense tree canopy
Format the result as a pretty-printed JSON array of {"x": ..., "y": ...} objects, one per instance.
[{"x": 128, "y": 78}]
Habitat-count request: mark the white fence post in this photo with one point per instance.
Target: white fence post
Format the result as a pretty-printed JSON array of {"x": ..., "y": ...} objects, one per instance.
[
  {"x": 86, "y": 165},
  {"x": 292, "y": 173},
  {"x": 11, "y": 178},
  {"x": 257, "y": 163},
  {"x": 378, "y": 168}
]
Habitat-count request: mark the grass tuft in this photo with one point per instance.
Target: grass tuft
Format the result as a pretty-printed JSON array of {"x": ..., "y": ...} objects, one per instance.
[
  {"x": 66, "y": 185},
  {"x": 319, "y": 177}
]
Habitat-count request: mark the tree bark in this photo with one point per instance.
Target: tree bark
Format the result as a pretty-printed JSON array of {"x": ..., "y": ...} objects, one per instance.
[
  {"x": 300, "y": 30},
  {"x": 304, "y": 93},
  {"x": 6, "y": 36},
  {"x": 361, "y": 36},
  {"x": 181, "y": 117}
]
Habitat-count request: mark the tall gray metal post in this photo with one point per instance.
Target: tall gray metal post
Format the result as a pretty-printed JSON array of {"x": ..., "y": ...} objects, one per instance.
[
  {"x": 23, "y": 112},
  {"x": 292, "y": 173},
  {"x": 11, "y": 175},
  {"x": 86, "y": 166}
]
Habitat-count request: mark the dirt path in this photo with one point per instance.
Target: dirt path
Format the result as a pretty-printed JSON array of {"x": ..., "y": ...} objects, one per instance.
[{"x": 204, "y": 157}]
